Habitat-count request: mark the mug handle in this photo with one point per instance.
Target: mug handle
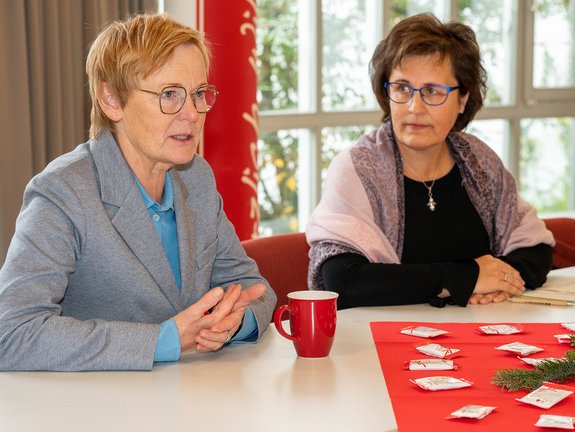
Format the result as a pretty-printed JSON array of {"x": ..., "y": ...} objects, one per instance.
[{"x": 278, "y": 320}]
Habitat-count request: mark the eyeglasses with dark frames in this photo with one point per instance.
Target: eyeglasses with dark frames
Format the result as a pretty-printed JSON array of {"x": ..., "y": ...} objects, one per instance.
[
  {"x": 433, "y": 94},
  {"x": 173, "y": 98}
]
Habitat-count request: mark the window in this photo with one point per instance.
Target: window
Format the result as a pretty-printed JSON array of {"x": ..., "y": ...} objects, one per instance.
[{"x": 315, "y": 95}]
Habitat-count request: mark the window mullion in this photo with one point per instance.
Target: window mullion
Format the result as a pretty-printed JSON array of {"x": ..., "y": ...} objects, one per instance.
[{"x": 315, "y": 154}]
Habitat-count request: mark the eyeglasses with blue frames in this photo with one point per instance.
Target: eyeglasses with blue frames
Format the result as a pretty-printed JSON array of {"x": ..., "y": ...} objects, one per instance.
[
  {"x": 173, "y": 98},
  {"x": 433, "y": 94}
]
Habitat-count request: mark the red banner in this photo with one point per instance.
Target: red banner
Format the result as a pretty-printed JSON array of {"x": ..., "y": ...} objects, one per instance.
[
  {"x": 423, "y": 410},
  {"x": 231, "y": 130}
]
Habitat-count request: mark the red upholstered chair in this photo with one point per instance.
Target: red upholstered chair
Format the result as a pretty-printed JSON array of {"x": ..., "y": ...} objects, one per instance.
[
  {"x": 563, "y": 230},
  {"x": 283, "y": 260}
]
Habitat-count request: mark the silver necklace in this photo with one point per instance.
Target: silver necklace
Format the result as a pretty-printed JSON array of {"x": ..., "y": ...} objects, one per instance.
[{"x": 431, "y": 204}]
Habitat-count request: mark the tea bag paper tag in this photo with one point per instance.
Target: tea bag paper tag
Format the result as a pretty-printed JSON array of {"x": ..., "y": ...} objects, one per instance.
[
  {"x": 547, "y": 395},
  {"x": 436, "y": 350},
  {"x": 564, "y": 338},
  {"x": 519, "y": 348},
  {"x": 500, "y": 329},
  {"x": 430, "y": 364},
  {"x": 536, "y": 361},
  {"x": 556, "y": 421},
  {"x": 422, "y": 331},
  {"x": 434, "y": 383},
  {"x": 471, "y": 411}
]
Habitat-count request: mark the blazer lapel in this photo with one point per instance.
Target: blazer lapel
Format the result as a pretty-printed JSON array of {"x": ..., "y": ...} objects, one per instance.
[
  {"x": 132, "y": 221},
  {"x": 186, "y": 224},
  {"x": 134, "y": 225}
]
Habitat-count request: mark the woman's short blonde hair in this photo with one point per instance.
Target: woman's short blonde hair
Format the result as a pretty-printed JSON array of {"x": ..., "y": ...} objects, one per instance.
[{"x": 127, "y": 51}]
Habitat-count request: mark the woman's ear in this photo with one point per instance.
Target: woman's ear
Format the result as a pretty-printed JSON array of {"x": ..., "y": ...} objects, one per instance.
[
  {"x": 109, "y": 102},
  {"x": 462, "y": 103}
]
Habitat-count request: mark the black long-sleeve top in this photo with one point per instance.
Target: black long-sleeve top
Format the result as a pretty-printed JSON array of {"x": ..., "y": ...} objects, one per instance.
[{"x": 439, "y": 251}]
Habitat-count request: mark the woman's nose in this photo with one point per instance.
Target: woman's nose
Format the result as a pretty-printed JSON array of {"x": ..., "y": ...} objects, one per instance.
[
  {"x": 416, "y": 103},
  {"x": 189, "y": 110}
]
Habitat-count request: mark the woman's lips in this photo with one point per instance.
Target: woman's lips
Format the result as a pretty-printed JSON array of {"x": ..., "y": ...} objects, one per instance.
[
  {"x": 416, "y": 126},
  {"x": 182, "y": 137}
]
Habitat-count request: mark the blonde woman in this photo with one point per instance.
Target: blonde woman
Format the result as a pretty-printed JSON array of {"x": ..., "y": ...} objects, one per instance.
[{"x": 122, "y": 254}]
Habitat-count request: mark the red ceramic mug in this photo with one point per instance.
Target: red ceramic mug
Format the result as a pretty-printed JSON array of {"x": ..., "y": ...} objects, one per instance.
[{"x": 312, "y": 317}]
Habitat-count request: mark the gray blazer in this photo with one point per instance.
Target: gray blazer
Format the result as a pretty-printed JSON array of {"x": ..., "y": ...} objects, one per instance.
[{"x": 86, "y": 282}]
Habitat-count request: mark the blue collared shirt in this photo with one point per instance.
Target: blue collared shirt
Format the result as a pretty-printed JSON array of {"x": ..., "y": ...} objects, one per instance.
[{"x": 164, "y": 219}]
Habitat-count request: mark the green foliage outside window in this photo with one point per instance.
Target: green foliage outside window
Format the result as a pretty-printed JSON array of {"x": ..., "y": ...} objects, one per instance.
[{"x": 277, "y": 44}]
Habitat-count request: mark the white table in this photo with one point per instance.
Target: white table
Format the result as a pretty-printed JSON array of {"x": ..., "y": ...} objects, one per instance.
[{"x": 252, "y": 388}]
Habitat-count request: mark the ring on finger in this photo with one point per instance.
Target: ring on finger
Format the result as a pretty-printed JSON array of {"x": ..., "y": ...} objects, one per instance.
[
  {"x": 505, "y": 277},
  {"x": 229, "y": 336}
]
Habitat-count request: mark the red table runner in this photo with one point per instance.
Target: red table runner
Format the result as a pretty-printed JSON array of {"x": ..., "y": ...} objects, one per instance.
[{"x": 422, "y": 410}]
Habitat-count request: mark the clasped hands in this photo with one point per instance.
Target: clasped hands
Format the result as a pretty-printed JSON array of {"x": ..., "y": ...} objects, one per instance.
[
  {"x": 206, "y": 332},
  {"x": 497, "y": 281}
]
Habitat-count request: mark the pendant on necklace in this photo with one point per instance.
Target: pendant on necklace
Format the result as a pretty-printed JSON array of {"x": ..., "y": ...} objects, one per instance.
[{"x": 431, "y": 202}]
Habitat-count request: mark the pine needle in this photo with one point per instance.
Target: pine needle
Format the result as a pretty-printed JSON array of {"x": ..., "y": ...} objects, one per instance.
[
  {"x": 517, "y": 379},
  {"x": 557, "y": 371}
]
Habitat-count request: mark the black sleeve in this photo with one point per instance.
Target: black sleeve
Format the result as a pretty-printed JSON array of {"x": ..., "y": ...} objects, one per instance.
[
  {"x": 361, "y": 283},
  {"x": 533, "y": 263}
]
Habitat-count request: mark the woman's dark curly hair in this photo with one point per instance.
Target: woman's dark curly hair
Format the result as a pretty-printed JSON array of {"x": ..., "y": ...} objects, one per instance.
[{"x": 422, "y": 35}]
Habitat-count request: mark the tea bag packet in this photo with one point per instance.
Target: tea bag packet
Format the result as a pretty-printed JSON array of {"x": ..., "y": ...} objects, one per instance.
[
  {"x": 471, "y": 411},
  {"x": 422, "y": 331},
  {"x": 547, "y": 395},
  {"x": 436, "y": 350},
  {"x": 434, "y": 383},
  {"x": 500, "y": 329},
  {"x": 569, "y": 326},
  {"x": 519, "y": 348},
  {"x": 430, "y": 364},
  {"x": 537, "y": 361},
  {"x": 564, "y": 338},
  {"x": 556, "y": 421}
]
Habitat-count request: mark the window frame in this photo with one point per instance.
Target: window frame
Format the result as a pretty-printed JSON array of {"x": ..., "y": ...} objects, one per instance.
[{"x": 534, "y": 96}]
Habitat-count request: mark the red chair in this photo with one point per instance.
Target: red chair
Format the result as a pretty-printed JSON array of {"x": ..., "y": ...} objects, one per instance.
[
  {"x": 563, "y": 230},
  {"x": 283, "y": 260}
]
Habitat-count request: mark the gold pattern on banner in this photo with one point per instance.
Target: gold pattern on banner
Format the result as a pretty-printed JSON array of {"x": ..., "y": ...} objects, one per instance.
[
  {"x": 248, "y": 25},
  {"x": 250, "y": 175},
  {"x": 252, "y": 61}
]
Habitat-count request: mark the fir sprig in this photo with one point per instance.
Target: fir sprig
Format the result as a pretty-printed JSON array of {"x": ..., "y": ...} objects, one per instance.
[
  {"x": 557, "y": 371},
  {"x": 517, "y": 379}
]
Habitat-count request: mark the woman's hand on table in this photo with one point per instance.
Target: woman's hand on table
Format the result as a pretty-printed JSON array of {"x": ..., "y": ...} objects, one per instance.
[
  {"x": 231, "y": 308},
  {"x": 495, "y": 278},
  {"x": 190, "y": 321},
  {"x": 210, "y": 331},
  {"x": 494, "y": 297}
]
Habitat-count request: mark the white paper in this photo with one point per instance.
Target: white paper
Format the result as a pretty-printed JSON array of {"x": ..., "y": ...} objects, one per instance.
[
  {"x": 441, "y": 383},
  {"x": 472, "y": 411},
  {"x": 555, "y": 421},
  {"x": 520, "y": 348},
  {"x": 431, "y": 364},
  {"x": 500, "y": 329},
  {"x": 545, "y": 396},
  {"x": 557, "y": 287},
  {"x": 436, "y": 350},
  {"x": 422, "y": 331}
]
